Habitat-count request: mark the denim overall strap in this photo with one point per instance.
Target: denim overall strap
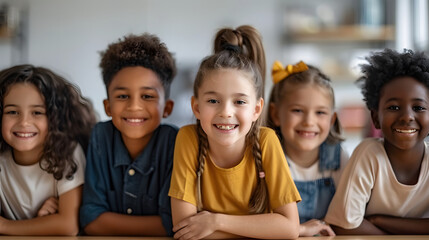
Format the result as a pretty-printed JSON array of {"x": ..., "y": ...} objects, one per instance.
[
  {"x": 317, "y": 194},
  {"x": 329, "y": 156}
]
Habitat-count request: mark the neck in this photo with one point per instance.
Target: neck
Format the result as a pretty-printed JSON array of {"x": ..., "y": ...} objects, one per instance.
[
  {"x": 227, "y": 157},
  {"x": 136, "y": 146},
  {"x": 303, "y": 159},
  {"x": 406, "y": 164},
  {"x": 26, "y": 158}
]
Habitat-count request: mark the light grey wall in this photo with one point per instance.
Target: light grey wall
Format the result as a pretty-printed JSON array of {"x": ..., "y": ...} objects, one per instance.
[{"x": 67, "y": 36}]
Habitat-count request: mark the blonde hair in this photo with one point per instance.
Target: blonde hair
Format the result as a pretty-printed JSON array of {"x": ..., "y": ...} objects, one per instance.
[
  {"x": 312, "y": 76},
  {"x": 233, "y": 59}
]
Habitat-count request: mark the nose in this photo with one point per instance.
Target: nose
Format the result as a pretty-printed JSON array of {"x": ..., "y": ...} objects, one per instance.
[
  {"x": 407, "y": 115},
  {"x": 309, "y": 119},
  {"x": 25, "y": 119},
  {"x": 134, "y": 104},
  {"x": 226, "y": 110}
]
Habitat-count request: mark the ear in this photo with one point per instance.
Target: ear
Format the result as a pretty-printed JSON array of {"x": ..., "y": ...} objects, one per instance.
[
  {"x": 107, "y": 107},
  {"x": 375, "y": 119},
  {"x": 195, "y": 107},
  {"x": 274, "y": 114},
  {"x": 333, "y": 118},
  {"x": 168, "y": 108},
  {"x": 258, "y": 109}
]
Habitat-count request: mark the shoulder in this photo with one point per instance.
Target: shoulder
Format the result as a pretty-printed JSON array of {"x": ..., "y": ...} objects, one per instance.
[
  {"x": 5, "y": 157},
  {"x": 267, "y": 136},
  {"x": 188, "y": 131},
  {"x": 265, "y": 132},
  {"x": 368, "y": 156},
  {"x": 78, "y": 153},
  {"x": 103, "y": 128},
  {"x": 166, "y": 131},
  {"x": 187, "y": 138},
  {"x": 369, "y": 145}
]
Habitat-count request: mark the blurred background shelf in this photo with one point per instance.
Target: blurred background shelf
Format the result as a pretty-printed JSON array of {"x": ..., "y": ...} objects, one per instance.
[
  {"x": 6, "y": 33},
  {"x": 346, "y": 33}
]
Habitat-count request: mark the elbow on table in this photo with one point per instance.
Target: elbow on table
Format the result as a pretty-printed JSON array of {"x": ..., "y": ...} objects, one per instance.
[{"x": 70, "y": 230}]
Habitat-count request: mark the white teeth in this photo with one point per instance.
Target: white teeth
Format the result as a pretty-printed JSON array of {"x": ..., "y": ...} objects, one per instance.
[
  {"x": 308, "y": 134},
  {"x": 135, "y": 120},
  {"x": 25, "y": 135},
  {"x": 406, "y": 131},
  {"x": 225, "y": 127}
]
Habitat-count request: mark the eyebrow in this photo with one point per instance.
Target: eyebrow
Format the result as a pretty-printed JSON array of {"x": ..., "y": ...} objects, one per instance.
[
  {"x": 216, "y": 93},
  {"x": 14, "y": 105},
  {"x": 414, "y": 99},
  {"x": 142, "y": 88}
]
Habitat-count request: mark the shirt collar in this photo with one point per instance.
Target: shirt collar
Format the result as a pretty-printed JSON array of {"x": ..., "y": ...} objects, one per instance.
[{"x": 143, "y": 163}]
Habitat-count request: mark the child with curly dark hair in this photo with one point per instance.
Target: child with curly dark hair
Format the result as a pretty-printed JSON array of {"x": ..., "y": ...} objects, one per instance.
[
  {"x": 384, "y": 188},
  {"x": 130, "y": 157},
  {"x": 45, "y": 123}
]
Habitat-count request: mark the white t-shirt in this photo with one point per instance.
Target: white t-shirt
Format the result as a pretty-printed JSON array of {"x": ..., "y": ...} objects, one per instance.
[
  {"x": 24, "y": 189},
  {"x": 313, "y": 173},
  {"x": 369, "y": 186}
]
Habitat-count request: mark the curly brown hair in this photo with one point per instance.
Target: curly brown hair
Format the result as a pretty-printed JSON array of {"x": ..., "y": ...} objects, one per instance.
[
  {"x": 145, "y": 51},
  {"x": 70, "y": 116}
]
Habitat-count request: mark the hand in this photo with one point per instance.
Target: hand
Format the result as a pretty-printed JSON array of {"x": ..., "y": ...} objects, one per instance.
[
  {"x": 314, "y": 227},
  {"x": 197, "y": 226},
  {"x": 50, "y": 206}
]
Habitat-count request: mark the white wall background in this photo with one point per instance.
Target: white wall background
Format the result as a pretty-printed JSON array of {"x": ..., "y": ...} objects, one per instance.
[{"x": 67, "y": 36}]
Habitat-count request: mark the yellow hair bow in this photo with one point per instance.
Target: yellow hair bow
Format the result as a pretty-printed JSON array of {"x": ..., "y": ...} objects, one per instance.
[{"x": 279, "y": 72}]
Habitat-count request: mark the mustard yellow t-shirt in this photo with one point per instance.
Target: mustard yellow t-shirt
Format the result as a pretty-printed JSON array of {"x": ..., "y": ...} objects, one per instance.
[{"x": 228, "y": 190}]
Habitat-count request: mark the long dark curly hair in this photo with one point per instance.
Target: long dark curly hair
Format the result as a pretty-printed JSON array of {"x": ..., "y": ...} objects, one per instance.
[
  {"x": 70, "y": 116},
  {"x": 386, "y": 65}
]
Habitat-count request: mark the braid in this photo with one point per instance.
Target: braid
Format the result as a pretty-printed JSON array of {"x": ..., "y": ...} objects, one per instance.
[
  {"x": 203, "y": 144},
  {"x": 259, "y": 200}
]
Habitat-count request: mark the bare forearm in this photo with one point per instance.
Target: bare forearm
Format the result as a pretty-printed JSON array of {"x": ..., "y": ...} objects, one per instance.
[
  {"x": 397, "y": 225},
  {"x": 365, "y": 228},
  {"x": 270, "y": 225},
  {"x": 54, "y": 224},
  {"x": 116, "y": 224}
]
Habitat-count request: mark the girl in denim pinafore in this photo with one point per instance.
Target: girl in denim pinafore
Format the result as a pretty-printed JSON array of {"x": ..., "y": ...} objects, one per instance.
[{"x": 301, "y": 110}]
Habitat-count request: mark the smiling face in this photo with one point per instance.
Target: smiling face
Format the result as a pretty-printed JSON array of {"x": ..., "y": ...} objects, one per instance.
[
  {"x": 403, "y": 114},
  {"x": 226, "y": 107},
  {"x": 24, "y": 122},
  {"x": 305, "y": 115},
  {"x": 136, "y": 104}
]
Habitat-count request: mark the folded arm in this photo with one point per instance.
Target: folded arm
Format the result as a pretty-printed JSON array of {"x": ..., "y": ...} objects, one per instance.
[
  {"x": 365, "y": 228},
  {"x": 398, "y": 225},
  {"x": 110, "y": 223},
  {"x": 63, "y": 222},
  {"x": 282, "y": 224}
]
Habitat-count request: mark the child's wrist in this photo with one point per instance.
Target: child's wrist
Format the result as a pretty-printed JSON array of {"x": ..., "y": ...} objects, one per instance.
[{"x": 218, "y": 223}]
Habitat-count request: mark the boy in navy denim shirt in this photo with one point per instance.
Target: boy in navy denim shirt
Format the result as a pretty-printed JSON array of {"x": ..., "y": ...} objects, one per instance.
[{"x": 129, "y": 158}]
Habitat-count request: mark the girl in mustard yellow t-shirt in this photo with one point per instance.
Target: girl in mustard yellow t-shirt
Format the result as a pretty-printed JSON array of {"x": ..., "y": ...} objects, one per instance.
[{"x": 230, "y": 177}]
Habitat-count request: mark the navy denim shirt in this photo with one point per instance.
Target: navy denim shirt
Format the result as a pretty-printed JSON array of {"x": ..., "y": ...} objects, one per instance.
[{"x": 116, "y": 183}]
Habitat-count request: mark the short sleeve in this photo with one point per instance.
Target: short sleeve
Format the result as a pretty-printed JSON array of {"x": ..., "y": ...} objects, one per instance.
[
  {"x": 347, "y": 208},
  {"x": 94, "y": 201},
  {"x": 65, "y": 185},
  {"x": 281, "y": 187},
  {"x": 183, "y": 178}
]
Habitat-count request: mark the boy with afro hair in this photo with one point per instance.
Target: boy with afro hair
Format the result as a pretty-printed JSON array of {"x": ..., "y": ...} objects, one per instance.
[{"x": 130, "y": 157}]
